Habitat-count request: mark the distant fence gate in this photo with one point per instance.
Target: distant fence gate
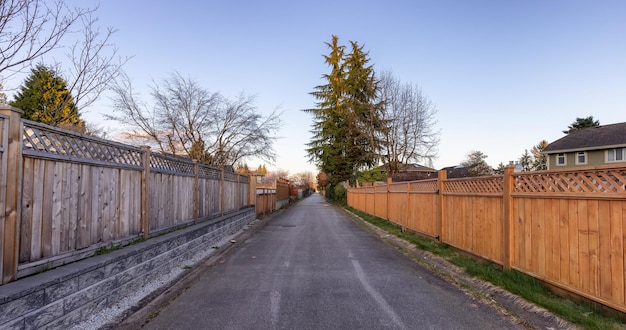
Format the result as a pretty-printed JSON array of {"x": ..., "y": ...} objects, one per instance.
[
  {"x": 565, "y": 227},
  {"x": 61, "y": 192}
]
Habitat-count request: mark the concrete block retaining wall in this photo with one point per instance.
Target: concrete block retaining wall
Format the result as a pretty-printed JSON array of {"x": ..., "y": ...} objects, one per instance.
[{"x": 65, "y": 296}]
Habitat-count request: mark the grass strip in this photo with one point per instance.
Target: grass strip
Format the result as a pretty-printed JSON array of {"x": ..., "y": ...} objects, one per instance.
[{"x": 513, "y": 281}]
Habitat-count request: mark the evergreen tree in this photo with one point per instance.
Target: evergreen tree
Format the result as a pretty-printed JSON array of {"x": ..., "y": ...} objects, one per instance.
[
  {"x": 44, "y": 97},
  {"x": 500, "y": 169},
  {"x": 347, "y": 124},
  {"x": 364, "y": 116},
  {"x": 581, "y": 123},
  {"x": 476, "y": 164},
  {"x": 526, "y": 160},
  {"x": 541, "y": 159}
]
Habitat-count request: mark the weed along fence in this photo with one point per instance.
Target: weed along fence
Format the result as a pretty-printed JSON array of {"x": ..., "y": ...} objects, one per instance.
[
  {"x": 63, "y": 193},
  {"x": 565, "y": 227}
]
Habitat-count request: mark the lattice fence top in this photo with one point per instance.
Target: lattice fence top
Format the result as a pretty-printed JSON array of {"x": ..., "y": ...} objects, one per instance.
[
  {"x": 208, "y": 172},
  {"x": 424, "y": 186},
  {"x": 604, "y": 180},
  {"x": 171, "y": 164},
  {"x": 46, "y": 141},
  {"x": 398, "y": 187},
  {"x": 480, "y": 185},
  {"x": 230, "y": 176}
]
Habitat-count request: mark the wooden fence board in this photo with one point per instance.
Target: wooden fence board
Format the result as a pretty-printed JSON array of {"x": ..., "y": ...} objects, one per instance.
[
  {"x": 84, "y": 202},
  {"x": 27, "y": 209},
  {"x": 74, "y": 206},
  {"x": 583, "y": 243},
  {"x": 46, "y": 228},
  {"x": 538, "y": 237},
  {"x": 574, "y": 237},
  {"x": 617, "y": 252},
  {"x": 594, "y": 247},
  {"x": 57, "y": 209},
  {"x": 604, "y": 251},
  {"x": 37, "y": 206},
  {"x": 553, "y": 260},
  {"x": 564, "y": 242},
  {"x": 100, "y": 190}
]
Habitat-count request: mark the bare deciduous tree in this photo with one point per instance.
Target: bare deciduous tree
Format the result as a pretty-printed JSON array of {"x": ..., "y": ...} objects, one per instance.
[
  {"x": 303, "y": 179},
  {"x": 93, "y": 63},
  {"x": 30, "y": 29},
  {"x": 411, "y": 135},
  {"x": 187, "y": 119}
]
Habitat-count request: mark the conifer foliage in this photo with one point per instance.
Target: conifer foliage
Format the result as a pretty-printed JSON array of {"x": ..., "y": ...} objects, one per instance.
[
  {"x": 44, "y": 98},
  {"x": 347, "y": 120}
]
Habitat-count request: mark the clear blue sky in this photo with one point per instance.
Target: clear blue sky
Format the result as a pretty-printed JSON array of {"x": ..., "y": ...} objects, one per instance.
[{"x": 504, "y": 75}]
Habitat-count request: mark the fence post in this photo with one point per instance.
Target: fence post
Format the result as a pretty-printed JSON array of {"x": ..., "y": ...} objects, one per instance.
[
  {"x": 252, "y": 191},
  {"x": 407, "y": 212},
  {"x": 196, "y": 186},
  {"x": 389, "y": 180},
  {"x": 222, "y": 192},
  {"x": 10, "y": 228},
  {"x": 238, "y": 192},
  {"x": 507, "y": 225},
  {"x": 441, "y": 225},
  {"x": 145, "y": 193}
]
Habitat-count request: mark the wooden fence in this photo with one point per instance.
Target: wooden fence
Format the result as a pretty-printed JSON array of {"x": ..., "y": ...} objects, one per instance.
[
  {"x": 61, "y": 192},
  {"x": 565, "y": 227},
  {"x": 265, "y": 200}
]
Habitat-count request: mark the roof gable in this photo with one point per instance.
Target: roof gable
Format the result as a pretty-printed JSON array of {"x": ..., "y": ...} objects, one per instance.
[{"x": 590, "y": 138}]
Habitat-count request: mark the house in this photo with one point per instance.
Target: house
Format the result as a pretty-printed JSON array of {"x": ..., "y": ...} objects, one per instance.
[
  {"x": 593, "y": 146},
  {"x": 457, "y": 171},
  {"x": 412, "y": 172}
]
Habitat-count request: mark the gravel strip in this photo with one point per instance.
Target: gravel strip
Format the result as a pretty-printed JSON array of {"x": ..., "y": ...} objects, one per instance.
[{"x": 110, "y": 316}]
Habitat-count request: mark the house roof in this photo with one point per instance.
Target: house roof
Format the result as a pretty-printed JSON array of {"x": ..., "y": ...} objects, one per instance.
[
  {"x": 457, "y": 171},
  {"x": 411, "y": 168},
  {"x": 613, "y": 135},
  {"x": 416, "y": 168}
]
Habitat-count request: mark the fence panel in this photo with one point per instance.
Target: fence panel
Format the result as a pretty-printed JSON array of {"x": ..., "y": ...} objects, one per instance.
[
  {"x": 77, "y": 191},
  {"x": 473, "y": 215},
  {"x": 422, "y": 207},
  {"x": 570, "y": 230},
  {"x": 265, "y": 200},
  {"x": 171, "y": 191},
  {"x": 208, "y": 191},
  {"x": 397, "y": 201},
  {"x": 380, "y": 201}
]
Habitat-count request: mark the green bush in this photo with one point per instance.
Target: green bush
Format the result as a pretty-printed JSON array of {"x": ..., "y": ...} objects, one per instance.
[{"x": 340, "y": 194}]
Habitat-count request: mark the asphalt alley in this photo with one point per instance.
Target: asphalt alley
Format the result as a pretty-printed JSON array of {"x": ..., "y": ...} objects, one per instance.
[{"x": 312, "y": 267}]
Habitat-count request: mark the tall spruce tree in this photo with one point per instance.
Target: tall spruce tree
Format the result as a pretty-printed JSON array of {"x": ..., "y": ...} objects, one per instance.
[
  {"x": 365, "y": 123},
  {"x": 347, "y": 124},
  {"x": 44, "y": 98}
]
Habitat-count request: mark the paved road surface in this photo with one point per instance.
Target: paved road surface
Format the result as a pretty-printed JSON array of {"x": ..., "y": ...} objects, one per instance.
[{"x": 312, "y": 267}]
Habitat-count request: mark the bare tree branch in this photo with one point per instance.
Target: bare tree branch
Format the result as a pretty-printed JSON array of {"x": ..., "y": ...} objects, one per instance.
[
  {"x": 94, "y": 63},
  {"x": 30, "y": 29},
  {"x": 185, "y": 117},
  {"x": 411, "y": 134}
]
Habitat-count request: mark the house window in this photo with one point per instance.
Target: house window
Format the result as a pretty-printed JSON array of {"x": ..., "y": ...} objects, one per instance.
[
  {"x": 616, "y": 155},
  {"x": 560, "y": 159},
  {"x": 581, "y": 158}
]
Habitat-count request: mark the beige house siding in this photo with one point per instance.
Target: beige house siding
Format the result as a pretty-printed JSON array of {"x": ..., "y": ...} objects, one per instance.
[{"x": 594, "y": 158}]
